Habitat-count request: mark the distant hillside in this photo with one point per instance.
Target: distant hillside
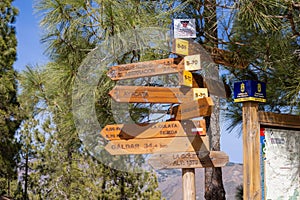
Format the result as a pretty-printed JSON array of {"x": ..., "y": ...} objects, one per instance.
[{"x": 170, "y": 182}]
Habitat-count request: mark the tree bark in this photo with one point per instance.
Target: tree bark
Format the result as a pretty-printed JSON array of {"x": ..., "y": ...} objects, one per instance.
[
  {"x": 26, "y": 177},
  {"x": 214, "y": 188},
  {"x": 8, "y": 185}
]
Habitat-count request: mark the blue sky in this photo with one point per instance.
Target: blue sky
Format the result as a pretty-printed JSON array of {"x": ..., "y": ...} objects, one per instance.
[{"x": 30, "y": 52}]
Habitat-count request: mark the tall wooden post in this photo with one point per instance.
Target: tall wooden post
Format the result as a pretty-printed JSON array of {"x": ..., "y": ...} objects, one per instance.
[
  {"x": 251, "y": 151},
  {"x": 251, "y": 92},
  {"x": 188, "y": 184}
]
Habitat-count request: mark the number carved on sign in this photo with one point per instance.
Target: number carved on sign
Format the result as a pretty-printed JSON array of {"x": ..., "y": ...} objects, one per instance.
[
  {"x": 192, "y": 62},
  {"x": 200, "y": 95},
  {"x": 182, "y": 47},
  {"x": 189, "y": 78}
]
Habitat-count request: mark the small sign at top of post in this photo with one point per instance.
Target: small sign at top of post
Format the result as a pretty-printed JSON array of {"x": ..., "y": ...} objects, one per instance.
[
  {"x": 184, "y": 28},
  {"x": 249, "y": 91}
]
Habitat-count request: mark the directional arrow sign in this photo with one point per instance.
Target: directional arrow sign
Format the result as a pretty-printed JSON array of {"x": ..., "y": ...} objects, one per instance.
[
  {"x": 154, "y": 130},
  {"x": 158, "y": 145},
  {"x": 197, "y": 108},
  {"x": 147, "y": 94},
  {"x": 144, "y": 69},
  {"x": 189, "y": 160}
]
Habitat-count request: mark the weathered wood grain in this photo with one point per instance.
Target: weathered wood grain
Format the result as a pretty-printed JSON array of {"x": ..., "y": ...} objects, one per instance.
[
  {"x": 189, "y": 160},
  {"x": 158, "y": 145},
  {"x": 148, "y": 94}
]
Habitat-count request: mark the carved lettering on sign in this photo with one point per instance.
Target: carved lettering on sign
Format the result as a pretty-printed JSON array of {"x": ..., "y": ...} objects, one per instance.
[
  {"x": 200, "y": 159},
  {"x": 154, "y": 130},
  {"x": 147, "y": 68},
  {"x": 149, "y": 94},
  {"x": 164, "y": 145}
]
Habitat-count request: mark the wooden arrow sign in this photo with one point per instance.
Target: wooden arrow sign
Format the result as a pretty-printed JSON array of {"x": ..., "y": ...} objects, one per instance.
[
  {"x": 154, "y": 130},
  {"x": 144, "y": 69},
  {"x": 189, "y": 160},
  {"x": 197, "y": 108},
  {"x": 147, "y": 94},
  {"x": 158, "y": 145}
]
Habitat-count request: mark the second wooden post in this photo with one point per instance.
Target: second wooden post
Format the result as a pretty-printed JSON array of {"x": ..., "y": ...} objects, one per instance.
[
  {"x": 250, "y": 93},
  {"x": 188, "y": 184},
  {"x": 251, "y": 151}
]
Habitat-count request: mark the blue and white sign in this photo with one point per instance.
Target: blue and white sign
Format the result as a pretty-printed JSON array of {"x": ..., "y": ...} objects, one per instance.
[{"x": 249, "y": 91}]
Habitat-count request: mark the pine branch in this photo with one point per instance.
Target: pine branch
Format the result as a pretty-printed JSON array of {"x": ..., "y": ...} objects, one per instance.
[
  {"x": 292, "y": 23},
  {"x": 226, "y": 58}
]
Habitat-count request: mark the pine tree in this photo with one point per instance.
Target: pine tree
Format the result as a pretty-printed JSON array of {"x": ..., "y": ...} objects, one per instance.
[
  {"x": 62, "y": 168},
  {"x": 267, "y": 36},
  {"x": 75, "y": 28},
  {"x": 10, "y": 117}
]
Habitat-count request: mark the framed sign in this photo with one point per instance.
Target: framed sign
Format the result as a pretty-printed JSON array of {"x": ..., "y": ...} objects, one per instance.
[
  {"x": 281, "y": 163},
  {"x": 280, "y": 156}
]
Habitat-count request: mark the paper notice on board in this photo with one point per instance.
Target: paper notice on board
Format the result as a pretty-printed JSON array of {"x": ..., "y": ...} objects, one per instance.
[
  {"x": 184, "y": 28},
  {"x": 282, "y": 164}
]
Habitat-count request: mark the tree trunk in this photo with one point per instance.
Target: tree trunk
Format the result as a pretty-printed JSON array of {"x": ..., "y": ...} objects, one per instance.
[
  {"x": 214, "y": 189},
  {"x": 69, "y": 177},
  {"x": 26, "y": 177},
  {"x": 8, "y": 185}
]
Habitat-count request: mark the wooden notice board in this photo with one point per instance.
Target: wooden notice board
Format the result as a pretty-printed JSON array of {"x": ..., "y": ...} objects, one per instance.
[{"x": 280, "y": 159}]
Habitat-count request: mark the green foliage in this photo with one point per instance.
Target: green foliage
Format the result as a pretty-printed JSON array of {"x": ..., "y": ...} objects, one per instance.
[
  {"x": 263, "y": 34},
  {"x": 10, "y": 116},
  {"x": 266, "y": 35},
  {"x": 60, "y": 166},
  {"x": 259, "y": 15}
]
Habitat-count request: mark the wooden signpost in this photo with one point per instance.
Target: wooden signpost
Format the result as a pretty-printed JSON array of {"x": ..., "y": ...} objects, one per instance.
[
  {"x": 148, "y": 94},
  {"x": 180, "y": 142},
  {"x": 189, "y": 160}
]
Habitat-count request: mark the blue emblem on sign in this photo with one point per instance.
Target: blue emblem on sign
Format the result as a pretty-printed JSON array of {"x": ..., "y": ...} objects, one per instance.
[{"x": 250, "y": 91}]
